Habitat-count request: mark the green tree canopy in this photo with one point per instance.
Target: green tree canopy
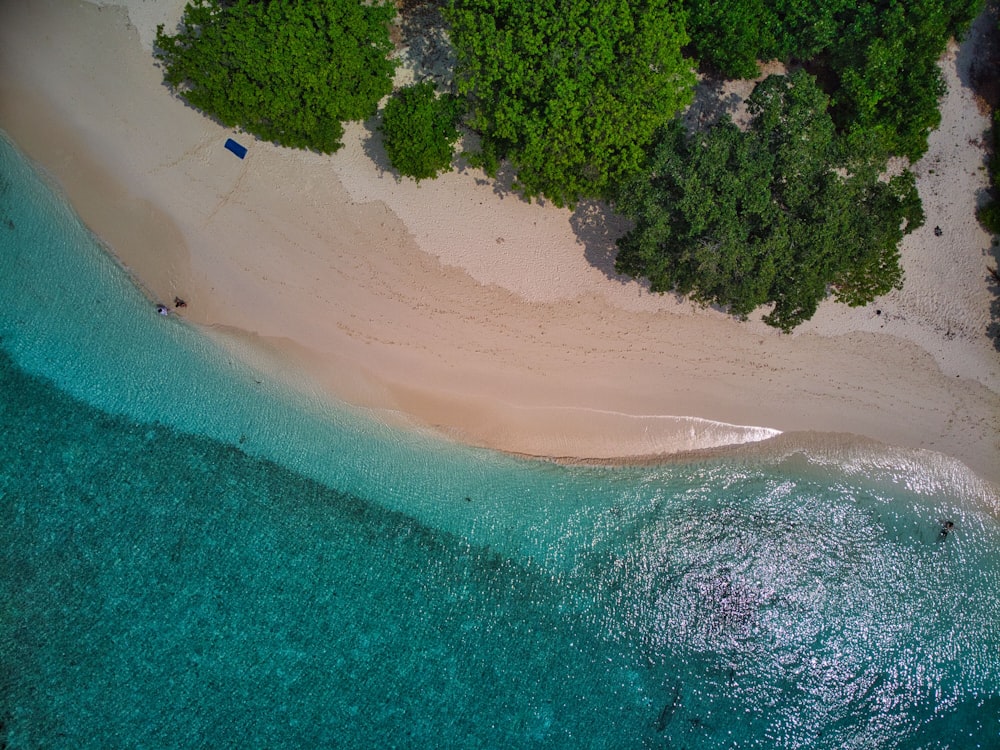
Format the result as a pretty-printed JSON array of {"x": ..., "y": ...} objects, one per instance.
[
  {"x": 772, "y": 215},
  {"x": 418, "y": 130},
  {"x": 570, "y": 92},
  {"x": 730, "y": 36},
  {"x": 877, "y": 58},
  {"x": 288, "y": 71},
  {"x": 886, "y": 69}
]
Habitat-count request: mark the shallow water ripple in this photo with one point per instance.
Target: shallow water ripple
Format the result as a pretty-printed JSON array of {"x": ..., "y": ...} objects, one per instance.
[
  {"x": 195, "y": 557},
  {"x": 803, "y": 615}
]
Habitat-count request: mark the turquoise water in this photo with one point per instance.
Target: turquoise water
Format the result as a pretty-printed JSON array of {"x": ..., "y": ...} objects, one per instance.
[{"x": 191, "y": 556}]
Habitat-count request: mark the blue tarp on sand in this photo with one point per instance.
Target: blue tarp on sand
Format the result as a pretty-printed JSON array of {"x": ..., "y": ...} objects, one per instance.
[{"x": 236, "y": 148}]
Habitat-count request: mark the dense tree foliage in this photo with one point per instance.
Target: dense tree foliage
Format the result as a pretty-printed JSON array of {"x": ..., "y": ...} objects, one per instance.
[
  {"x": 780, "y": 214},
  {"x": 989, "y": 214},
  {"x": 579, "y": 99},
  {"x": 418, "y": 131},
  {"x": 887, "y": 79},
  {"x": 878, "y": 58},
  {"x": 569, "y": 92},
  {"x": 730, "y": 36},
  {"x": 288, "y": 71}
]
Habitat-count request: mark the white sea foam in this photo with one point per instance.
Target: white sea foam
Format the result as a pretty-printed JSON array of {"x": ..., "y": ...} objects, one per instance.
[{"x": 783, "y": 589}]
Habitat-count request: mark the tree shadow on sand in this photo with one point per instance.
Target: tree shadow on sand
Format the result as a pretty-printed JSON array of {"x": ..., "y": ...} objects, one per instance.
[
  {"x": 977, "y": 65},
  {"x": 421, "y": 35},
  {"x": 504, "y": 183},
  {"x": 993, "y": 329},
  {"x": 596, "y": 225},
  {"x": 374, "y": 148},
  {"x": 598, "y": 229},
  {"x": 711, "y": 101}
]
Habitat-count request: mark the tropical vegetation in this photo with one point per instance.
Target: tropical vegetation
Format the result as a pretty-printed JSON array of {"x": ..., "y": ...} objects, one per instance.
[
  {"x": 989, "y": 213},
  {"x": 580, "y": 99},
  {"x": 419, "y": 130},
  {"x": 877, "y": 59},
  {"x": 287, "y": 71},
  {"x": 569, "y": 93},
  {"x": 778, "y": 215}
]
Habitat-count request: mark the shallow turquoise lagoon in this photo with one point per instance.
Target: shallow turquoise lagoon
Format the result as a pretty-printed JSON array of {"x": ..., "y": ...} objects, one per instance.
[{"x": 194, "y": 556}]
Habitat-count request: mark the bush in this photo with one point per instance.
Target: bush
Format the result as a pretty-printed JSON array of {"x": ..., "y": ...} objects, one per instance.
[
  {"x": 288, "y": 72},
  {"x": 878, "y": 60},
  {"x": 418, "y": 130},
  {"x": 570, "y": 92},
  {"x": 730, "y": 36},
  {"x": 774, "y": 215},
  {"x": 989, "y": 215}
]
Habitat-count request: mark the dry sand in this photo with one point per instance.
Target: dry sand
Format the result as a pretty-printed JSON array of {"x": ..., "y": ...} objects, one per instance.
[{"x": 455, "y": 305}]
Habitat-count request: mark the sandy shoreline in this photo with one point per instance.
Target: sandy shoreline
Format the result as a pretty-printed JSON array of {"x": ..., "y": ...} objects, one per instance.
[{"x": 494, "y": 321}]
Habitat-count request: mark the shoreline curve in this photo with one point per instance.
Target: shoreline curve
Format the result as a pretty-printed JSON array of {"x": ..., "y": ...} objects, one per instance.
[{"x": 482, "y": 317}]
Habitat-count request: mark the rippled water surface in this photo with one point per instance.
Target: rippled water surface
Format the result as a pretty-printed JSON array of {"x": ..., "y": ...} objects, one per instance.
[{"x": 193, "y": 558}]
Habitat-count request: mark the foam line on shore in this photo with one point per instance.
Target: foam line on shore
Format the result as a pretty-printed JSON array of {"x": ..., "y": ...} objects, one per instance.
[{"x": 400, "y": 299}]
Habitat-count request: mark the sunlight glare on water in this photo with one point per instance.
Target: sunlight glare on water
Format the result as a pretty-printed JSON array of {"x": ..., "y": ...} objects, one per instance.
[{"x": 207, "y": 561}]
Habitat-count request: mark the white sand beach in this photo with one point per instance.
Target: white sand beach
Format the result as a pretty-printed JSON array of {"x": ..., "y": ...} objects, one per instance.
[{"x": 455, "y": 306}]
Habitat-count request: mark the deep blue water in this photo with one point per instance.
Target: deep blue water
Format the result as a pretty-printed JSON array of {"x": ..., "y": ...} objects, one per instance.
[{"x": 194, "y": 556}]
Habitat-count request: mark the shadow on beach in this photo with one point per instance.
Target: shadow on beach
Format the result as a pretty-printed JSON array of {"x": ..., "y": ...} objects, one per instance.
[
  {"x": 597, "y": 227},
  {"x": 374, "y": 147},
  {"x": 977, "y": 64},
  {"x": 713, "y": 98}
]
